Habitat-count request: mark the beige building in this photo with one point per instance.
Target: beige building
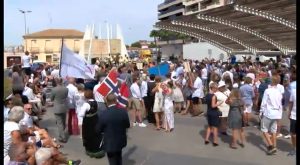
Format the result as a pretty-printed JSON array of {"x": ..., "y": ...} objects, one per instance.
[{"x": 46, "y": 44}]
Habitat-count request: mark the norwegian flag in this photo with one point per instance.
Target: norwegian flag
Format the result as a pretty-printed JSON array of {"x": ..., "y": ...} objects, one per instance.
[
  {"x": 109, "y": 84},
  {"x": 123, "y": 96}
]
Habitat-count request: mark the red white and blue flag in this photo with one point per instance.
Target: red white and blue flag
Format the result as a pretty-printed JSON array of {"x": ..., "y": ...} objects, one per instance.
[
  {"x": 124, "y": 94},
  {"x": 110, "y": 85}
]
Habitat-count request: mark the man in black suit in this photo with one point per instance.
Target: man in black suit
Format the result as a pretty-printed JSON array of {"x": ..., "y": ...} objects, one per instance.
[{"x": 113, "y": 123}]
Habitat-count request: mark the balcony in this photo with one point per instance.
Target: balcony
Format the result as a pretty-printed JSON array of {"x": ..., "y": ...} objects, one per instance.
[
  {"x": 167, "y": 4},
  {"x": 34, "y": 50},
  {"x": 48, "y": 50}
]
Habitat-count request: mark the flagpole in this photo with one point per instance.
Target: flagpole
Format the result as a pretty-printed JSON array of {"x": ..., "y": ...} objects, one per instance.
[{"x": 61, "y": 55}]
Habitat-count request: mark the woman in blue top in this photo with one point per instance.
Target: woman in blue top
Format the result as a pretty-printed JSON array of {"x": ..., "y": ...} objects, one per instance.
[
  {"x": 247, "y": 94},
  {"x": 212, "y": 114}
]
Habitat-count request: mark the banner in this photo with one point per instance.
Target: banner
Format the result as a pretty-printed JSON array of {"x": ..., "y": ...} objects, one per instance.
[
  {"x": 160, "y": 70},
  {"x": 74, "y": 65}
]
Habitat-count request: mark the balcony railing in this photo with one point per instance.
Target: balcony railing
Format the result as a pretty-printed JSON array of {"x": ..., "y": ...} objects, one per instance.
[
  {"x": 34, "y": 50},
  {"x": 48, "y": 50}
]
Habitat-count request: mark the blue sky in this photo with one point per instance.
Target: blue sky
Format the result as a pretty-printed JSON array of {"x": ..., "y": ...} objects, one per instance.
[{"x": 136, "y": 17}]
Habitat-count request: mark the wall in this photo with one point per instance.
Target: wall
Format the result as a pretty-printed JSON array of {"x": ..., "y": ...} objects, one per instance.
[
  {"x": 199, "y": 51},
  {"x": 172, "y": 49}
]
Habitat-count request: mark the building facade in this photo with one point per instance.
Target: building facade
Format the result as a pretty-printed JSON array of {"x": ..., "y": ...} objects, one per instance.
[
  {"x": 46, "y": 44},
  {"x": 172, "y": 9}
]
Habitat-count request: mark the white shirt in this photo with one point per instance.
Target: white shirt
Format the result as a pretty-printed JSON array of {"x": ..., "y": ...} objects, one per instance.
[
  {"x": 136, "y": 91},
  {"x": 98, "y": 97},
  {"x": 29, "y": 93},
  {"x": 9, "y": 127},
  {"x": 144, "y": 88},
  {"x": 204, "y": 73},
  {"x": 6, "y": 111},
  {"x": 199, "y": 88},
  {"x": 26, "y": 61},
  {"x": 294, "y": 100},
  {"x": 279, "y": 87},
  {"x": 55, "y": 73},
  {"x": 83, "y": 109},
  {"x": 72, "y": 90},
  {"x": 222, "y": 97},
  {"x": 26, "y": 121},
  {"x": 271, "y": 105},
  {"x": 43, "y": 73}
]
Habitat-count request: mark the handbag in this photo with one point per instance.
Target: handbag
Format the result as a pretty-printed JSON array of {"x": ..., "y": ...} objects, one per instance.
[{"x": 219, "y": 113}]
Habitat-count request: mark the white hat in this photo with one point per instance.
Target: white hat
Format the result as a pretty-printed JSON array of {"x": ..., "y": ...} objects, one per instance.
[
  {"x": 235, "y": 85},
  {"x": 221, "y": 84}
]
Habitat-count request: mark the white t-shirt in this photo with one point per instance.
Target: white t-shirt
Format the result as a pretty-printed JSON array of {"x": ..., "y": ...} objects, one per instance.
[
  {"x": 199, "y": 88},
  {"x": 84, "y": 108},
  {"x": 72, "y": 90},
  {"x": 26, "y": 61},
  {"x": 294, "y": 100},
  {"x": 9, "y": 127},
  {"x": 204, "y": 73},
  {"x": 55, "y": 73}
]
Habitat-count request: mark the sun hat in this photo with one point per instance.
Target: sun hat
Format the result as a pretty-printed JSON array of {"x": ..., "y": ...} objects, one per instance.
[
  {"x": 235, "y": 85},
  {"x": 221, "y": 84}
]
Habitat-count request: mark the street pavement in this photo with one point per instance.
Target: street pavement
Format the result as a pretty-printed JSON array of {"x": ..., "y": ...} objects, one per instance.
[{"x": 184, "y": 146}]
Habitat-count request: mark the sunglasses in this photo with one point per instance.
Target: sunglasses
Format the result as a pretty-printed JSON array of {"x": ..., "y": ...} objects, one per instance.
[{"x": 28, "y": 108}]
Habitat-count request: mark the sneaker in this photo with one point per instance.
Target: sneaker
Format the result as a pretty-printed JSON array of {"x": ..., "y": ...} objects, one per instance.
[
  {"x": 287, "y": 136},
  {"x": 142, "y": 125},
  {"x": 292, "y": 153},
  {"x": 135, "y": 124},
  {"x": 74, "y": 162},
  {"x": 271, "y": 150},
  {"x": 279, "y": 135}
]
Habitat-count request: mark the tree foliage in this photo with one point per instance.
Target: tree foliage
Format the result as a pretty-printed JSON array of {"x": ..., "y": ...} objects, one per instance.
[
  {"x": 136, "y": 44},
  {"x": 165, "y": 35}
]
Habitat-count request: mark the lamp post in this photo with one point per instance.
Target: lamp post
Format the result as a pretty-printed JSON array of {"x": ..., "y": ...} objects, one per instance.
[{"x": 24, "y": 12}]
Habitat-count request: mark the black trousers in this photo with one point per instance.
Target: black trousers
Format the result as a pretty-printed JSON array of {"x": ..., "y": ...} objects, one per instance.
[
  {"x": 149, "y": 102},
  {"x": 114, "y": 158}
]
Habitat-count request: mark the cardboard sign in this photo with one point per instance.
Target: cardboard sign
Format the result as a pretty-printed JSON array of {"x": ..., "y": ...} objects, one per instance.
[
  {"x": 139, "y": 65},
  {"x": 187, "y": 67}
]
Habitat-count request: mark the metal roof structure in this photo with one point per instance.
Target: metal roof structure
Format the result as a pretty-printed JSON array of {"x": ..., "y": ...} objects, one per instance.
[{"x": 245, "y": 26}]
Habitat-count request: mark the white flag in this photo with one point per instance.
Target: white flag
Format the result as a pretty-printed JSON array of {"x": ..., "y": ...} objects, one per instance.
[{"x": 74, "y": 65}]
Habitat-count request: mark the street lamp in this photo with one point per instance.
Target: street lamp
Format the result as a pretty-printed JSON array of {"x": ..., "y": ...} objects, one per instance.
[{"x": 24, "y": 12}]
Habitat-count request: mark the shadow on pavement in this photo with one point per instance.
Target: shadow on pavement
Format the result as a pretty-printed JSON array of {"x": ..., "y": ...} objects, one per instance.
[
  {"x": 126, "y": 156},
  {"x": 256, "y": 141}
]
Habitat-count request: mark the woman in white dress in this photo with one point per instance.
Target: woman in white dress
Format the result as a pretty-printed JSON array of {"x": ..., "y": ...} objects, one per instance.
[
  {"x": 177, "y": 97},
  {"x": 80, "y": 100},
  {"x": 158, "y": 102},
  {"x": 222, "y": 94},
  {"x": 168, "y": 106}
]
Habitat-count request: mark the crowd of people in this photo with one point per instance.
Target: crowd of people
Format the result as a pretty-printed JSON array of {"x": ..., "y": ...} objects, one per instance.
[{"x": 235, "y": 93}]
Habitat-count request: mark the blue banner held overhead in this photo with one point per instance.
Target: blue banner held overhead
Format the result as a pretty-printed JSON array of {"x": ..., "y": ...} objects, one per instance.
[{"x": 160, "y": 70}]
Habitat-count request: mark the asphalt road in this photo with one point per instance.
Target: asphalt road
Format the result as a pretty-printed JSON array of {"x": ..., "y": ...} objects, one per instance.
[{"x": 184, "y": 146}]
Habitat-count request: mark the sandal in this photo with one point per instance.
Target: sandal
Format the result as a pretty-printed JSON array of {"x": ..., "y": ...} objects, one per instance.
[
  {"x": 232, "y": 146},
  {"x": 157, "y": 129}
]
